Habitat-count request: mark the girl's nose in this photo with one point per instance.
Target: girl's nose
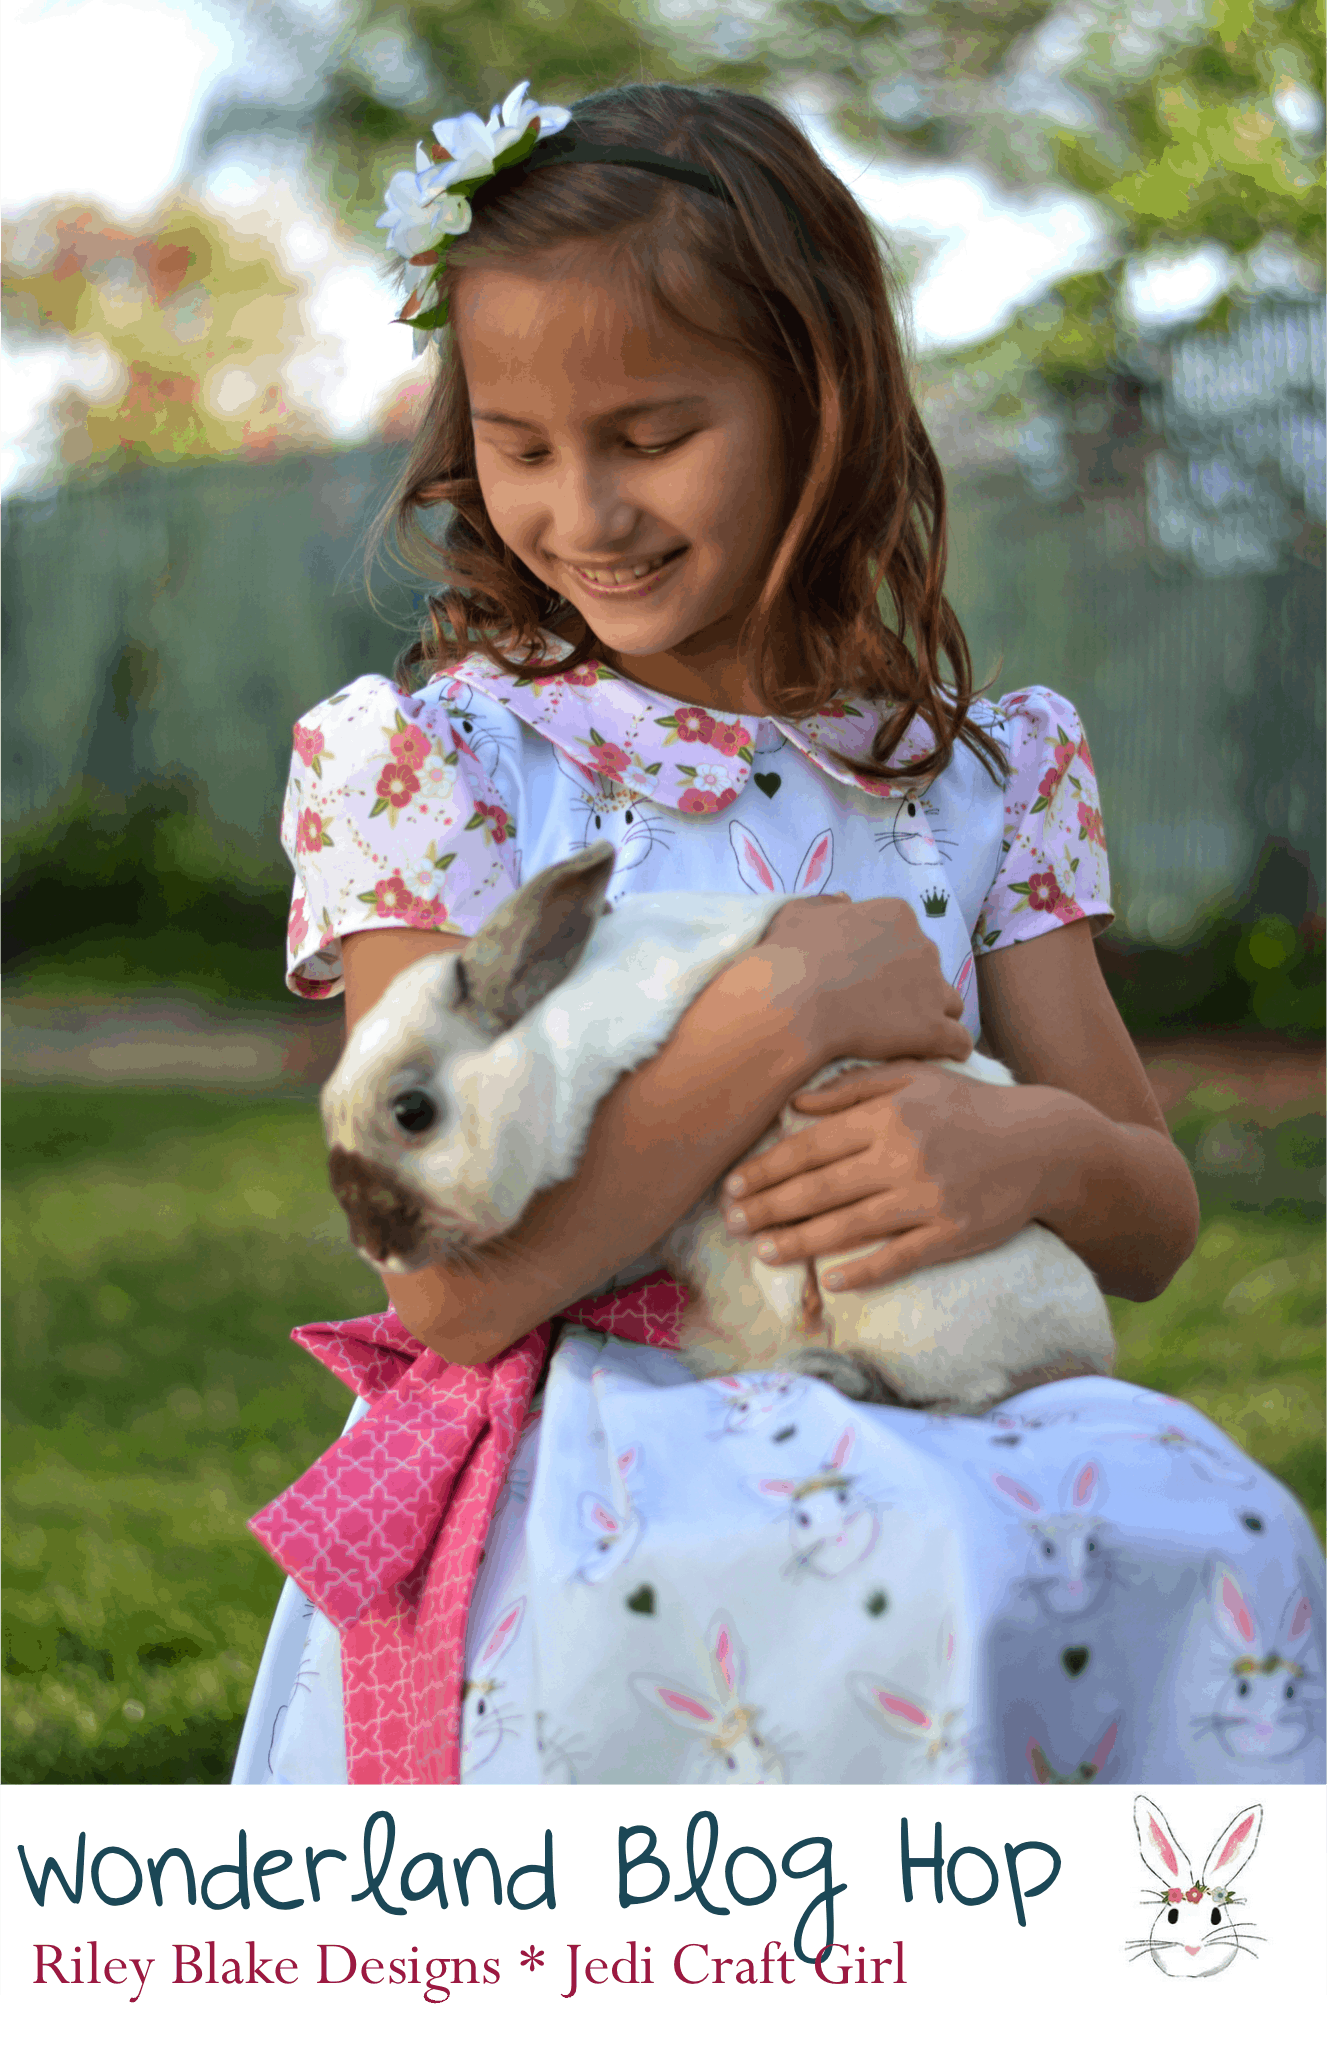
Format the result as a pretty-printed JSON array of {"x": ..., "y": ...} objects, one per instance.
[{"x": 590, "y": 518}]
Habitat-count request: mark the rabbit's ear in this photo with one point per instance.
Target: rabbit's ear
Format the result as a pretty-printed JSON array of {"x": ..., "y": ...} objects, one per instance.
[
  {"x": 584, "y": 778},
  {"x": 628, "y": 1462},
  {"x": 596, "y": 1516},
  {"x": 944, "y": 1642},
  {"x": 1087, "y": 1487},
  {"x": 504, "y": 1630},
  {"x": 533, "y": 941},
  {"x": 1043, "y": 1771},
  {"x": 778, "y": 1490},
  {"x": 1104, "y": 1748},
  {"x": 726, "y": 1652},
  {"x": 1234, "y": 1847},
  {"x": 753, "y": 864},
  {"x": 817, "y": 865},
  {"x": 1231, "y": 1611},
  {"x": 1017, "y": 1492},
  {"x": 687, "y": 1711},
  {"x": 1160, "y": 1848},
  {"x": 1295, "y": 1620},
  {"x": 842, "y": 1452},
  {"x": 897, "y": 1711}
]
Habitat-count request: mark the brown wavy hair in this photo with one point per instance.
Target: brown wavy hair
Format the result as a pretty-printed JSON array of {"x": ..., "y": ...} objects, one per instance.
[{"x": 806, "y": 300}]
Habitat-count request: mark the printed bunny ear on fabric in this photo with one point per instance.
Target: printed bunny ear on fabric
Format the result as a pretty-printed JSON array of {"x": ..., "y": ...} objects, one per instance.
[
  {"x": 1016, "y": 1492},
  {"x": 503, "y": 1633},
  {"x": 597, "y": 1517},
  {"x": 817, "y": 865},
  {"x": 842, "y": 1452},
  {"x": 887, "y": 1704},
  {"x": 726, "y": 1653},
  {"x": 1232, "y": 1612},
  {"x": 1296, "y": 1618},
  {"x": 1160, "y": 1848},
  {"x": 753, "y": 864},
  {"x": 1086, "y": 1487},
  {"x": 1234, "y": 1847},
  {"x": 685, "y": 1709}
]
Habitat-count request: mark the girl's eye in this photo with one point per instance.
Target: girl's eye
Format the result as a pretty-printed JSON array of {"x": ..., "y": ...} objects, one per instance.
[{"x": 1173, "y": 1917}]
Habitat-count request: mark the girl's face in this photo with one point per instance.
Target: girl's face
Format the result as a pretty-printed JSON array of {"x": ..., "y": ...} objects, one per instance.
[{"x": 636, "y": 469}]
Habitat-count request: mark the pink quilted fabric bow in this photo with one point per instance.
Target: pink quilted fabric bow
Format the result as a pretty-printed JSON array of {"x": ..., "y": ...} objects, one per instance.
[{"x": 384, "y": 1533}]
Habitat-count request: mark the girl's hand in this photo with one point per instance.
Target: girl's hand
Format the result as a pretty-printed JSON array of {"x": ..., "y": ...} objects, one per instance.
[
  {"x": 938, "y": 1166},
  {"x": 872, "y": 981}
]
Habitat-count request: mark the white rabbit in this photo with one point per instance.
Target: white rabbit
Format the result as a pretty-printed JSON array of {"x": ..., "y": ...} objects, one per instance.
[
  {"x": 746, "y": 1401},
  {"x": 1262, "y": 1711},
  {"x": 1069, "y": 1560},
  {"x": 485, "y": 1721},
  {"x": 935, "y": 1724},
  {"x": 473, "y": 1084},
  {"x": 831, "y": 1526},
  {"x": 759, "y": 873},
  {"x": 614, "y": 1526},
  {"x": 734, "y": 1750},
  {"x": 1195, "y": 1934}
]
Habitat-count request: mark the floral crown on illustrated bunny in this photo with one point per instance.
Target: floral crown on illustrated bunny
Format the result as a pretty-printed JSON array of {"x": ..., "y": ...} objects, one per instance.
[
  {"x": 427, "y": 209},
  {"x": 1220, "y": 1896}
]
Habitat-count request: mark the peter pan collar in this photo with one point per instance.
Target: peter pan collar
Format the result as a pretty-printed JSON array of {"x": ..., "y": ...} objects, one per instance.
[{"x": 686, "y": 757}]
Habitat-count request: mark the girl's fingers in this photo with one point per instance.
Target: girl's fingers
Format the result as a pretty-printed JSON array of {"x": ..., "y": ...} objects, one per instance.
[
  {"x": 851, "y": 1179},
  {"x": 858, "y": 1085},
  {"x": 798, "y": 1154},
  {"x": 924, "y": 1244},
  {"x": 838, "y": 1231}
]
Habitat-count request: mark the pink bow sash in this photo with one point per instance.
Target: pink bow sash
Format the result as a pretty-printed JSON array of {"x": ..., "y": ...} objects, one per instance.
[{"x": 385, "y": 1531}]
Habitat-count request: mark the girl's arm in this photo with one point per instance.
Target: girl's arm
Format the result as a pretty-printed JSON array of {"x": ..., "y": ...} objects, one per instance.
[
  {"x": 940, "y": 1167},
  {"x": 830, "y": 978}
]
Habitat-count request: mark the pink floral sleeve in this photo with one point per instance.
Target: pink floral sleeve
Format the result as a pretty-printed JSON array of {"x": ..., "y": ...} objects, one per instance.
[
  {"x": 389, "y": 820},
  {"x": 1053, "y": 866}
]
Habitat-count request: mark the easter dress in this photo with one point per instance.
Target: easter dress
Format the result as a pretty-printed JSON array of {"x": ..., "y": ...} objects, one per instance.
[{"x": 757, "y": 1579}]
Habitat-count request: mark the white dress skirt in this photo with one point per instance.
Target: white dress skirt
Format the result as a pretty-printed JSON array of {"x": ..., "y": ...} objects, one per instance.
[{"x": 758, "y": 1580}]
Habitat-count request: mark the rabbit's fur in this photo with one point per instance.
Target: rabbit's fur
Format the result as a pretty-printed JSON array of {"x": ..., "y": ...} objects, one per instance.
[{"x": 499, "y": 1055}]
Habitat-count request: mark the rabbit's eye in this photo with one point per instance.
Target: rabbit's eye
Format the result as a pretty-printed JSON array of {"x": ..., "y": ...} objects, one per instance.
[
  {"x": 732, "y": 1763},
  {"x": 415, "y": 1112},
  {"x": 1243, "y": 1688},
  {"x": 481, "y": 1707},
  {"x": 802, "y": 1518},
  {"x": 1048, "y": 1549},
  {"x": 1216, "y": 1916},
  {"x": 629, "y": 818},
  {"x": 755, "y": 1742},
  {"x": 841, "y": 1496},
  {"x": 1173, "y": 1917},
  {"x": 912, "y": 811},
  {"x": 1091, "y": 1545},
  {"x": 1289, "y": 1694},
  {"x": 598, "y": 823}
]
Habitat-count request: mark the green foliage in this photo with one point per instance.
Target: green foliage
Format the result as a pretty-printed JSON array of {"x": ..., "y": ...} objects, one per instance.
[{"x": 160, "y": 1245}]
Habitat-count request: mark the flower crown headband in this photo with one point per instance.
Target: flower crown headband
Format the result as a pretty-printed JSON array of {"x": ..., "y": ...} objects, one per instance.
[{"x": 429, "y": 208}]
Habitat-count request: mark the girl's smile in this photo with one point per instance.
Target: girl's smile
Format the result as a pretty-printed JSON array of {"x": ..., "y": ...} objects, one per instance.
[{"x": 636, "y": 469}]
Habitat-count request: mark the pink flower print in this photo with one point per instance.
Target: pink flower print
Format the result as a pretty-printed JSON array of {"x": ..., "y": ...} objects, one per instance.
[
  {"x": 309, "y": 746},
  {"x": 1054, "y": 776},
  {"x": 1044, "y": 893},
  {"x": 1085, "y": 756},
  {"x": 393, "y": 898},
  {"x": 298, "y": 925},
  {"x": 1090, "y": 826},
  {"x": 879, "y": 786},
  {"x": 493, "y": 822},
  {"x": 609, "y": 759},
  {"x": 426, "y": 912},
  {"x": 411, "y": 746},
  {"x": 727, "y": 740},
  {"x": 693, "y": 724},
  {"x": 311, "y": 835},
  {"x": 397, "y": 784},
  {"x": 705, "y": 801}
]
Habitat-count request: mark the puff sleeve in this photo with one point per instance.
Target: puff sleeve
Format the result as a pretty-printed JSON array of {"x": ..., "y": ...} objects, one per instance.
[
  {"x": 1053, "y": 866},
  {"x": 389, "y": 820}
]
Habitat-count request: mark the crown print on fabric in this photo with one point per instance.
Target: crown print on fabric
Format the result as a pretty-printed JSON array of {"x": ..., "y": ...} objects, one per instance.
[{"x": 935, "y": 903}]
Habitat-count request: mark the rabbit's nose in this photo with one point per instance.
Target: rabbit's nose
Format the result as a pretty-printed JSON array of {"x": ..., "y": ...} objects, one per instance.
[
  {"x": 1193, "y": 1949},
  {"x": 1263, "y": 1729}
]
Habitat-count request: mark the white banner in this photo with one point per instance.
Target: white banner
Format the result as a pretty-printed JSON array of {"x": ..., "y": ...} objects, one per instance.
[{"x": 172, "y": 1914}]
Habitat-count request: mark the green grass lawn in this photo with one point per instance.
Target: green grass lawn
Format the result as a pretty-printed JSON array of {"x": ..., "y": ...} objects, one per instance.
[{"x": 159, "y": 1246}]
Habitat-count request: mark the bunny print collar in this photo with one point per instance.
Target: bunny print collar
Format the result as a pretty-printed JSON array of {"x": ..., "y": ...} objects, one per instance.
[{"x": 686, "y": 757}]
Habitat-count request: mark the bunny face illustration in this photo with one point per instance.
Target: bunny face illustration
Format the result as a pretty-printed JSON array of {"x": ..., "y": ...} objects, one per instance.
[
  {"x": 831, "y": 1526},
  {"x": 761, "y": 876},
  {"x": 615, "y": 1527},
  {"x": 605, "y": 810},
  {"x": 732, "y": 1750},
  {"x": 910, "y": 833},
  {"x": 1197, "y": 1931},
  {"x": 934, "y": 1725},
  {"x": 471, "y": 731},
  {"x": 1069, "y": 1561},
  {"x": 1262, "y": 1711},
  {"x": 749, "y": 1402},
  {"x": 485, "y": 1718}
]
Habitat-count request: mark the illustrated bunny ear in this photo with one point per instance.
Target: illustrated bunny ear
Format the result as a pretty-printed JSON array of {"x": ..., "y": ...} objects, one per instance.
[
  {"x": 1016, "y": 1491},
  {"x": 753, "y": 864},
  {"x": 579, "y": 773},
  {"x": 897, "y": 1711},
  {"x": 964, "y": 976},
  {"x": 1043, "y": 1772},
  {"x": 1087, "y": 1485},
  {"x": 776, "y": 1490},
  {"x": 842, "y": 1452},
  {"x": 684, "y": 1709},
  {"x": 504, "y": 1630},
  {"x": 817, "y": 864},
  {"x": 1160, "y": 1848},
  {"x": 1295, "y": 1620},
  {"x": 1104, "y": 1748},
  {"x": 628, "y": 1461},
  {"x": 1231, "y": 1611},
  {"x": 726, "y": 1653},
  {"x": 1234, "y": 1847},
  {"x": 944, "y": 1642},
  {"x": 596, "y": 1516}
]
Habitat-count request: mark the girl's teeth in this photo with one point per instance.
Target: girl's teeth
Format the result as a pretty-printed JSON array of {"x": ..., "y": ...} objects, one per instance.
[{"x": 623, "y": 576}]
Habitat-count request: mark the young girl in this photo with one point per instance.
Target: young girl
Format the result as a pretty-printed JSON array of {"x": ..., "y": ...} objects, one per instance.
[{"x": 673, "y": 426}]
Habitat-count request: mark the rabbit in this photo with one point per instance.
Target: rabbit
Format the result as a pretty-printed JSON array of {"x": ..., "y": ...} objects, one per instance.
[
  {"x": 484, "y": 1719},
  {"x": 759, "y": 873},
  {"x": 1195, "y": 1935},
  {"x": 616, "y": 1528},
  {"x": 473, "y": 1083},
  {"x": 1263, "y": 1709},
  {"x": 734, "y": 1750},
  {"x": 934, "y": 1725},
  {"x": 746, "y": 1401},
  {"x": 910, "y": 835},
  {"x": 831, "y": 1528},
  {"x": 1069, "y": 1563},
  {"x": 599, "y": 798}
]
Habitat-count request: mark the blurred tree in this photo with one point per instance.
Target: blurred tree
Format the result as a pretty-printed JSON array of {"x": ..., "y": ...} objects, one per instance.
[{"x": 196, "y": 320}]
